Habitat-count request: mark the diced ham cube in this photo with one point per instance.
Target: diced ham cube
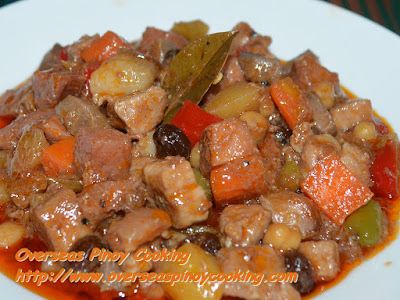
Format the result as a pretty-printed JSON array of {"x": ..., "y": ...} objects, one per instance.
[
  {"x": 137, "y": 227},
  {"x": 357, "y": 161},
  {"x": 102, "y": 154},
  {"x": 244, "y": 224},
  {"x": 51, "y": 86},
  {"x": 142, "y": 112},
  {"x": 177, "y": 192},
  {"x": 257, "y": 259},
  {"x": 223, "y": 142},
  {"x": 324, "y": 257},
  {"x": 58, "y": 220}
]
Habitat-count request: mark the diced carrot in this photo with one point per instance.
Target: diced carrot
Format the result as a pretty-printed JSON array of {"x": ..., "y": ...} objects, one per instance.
[
  {"x": 335, "y": 190},
  {"x": 5, "y": 120},
  {"x": 291, "y": 102},
  {"x": 103, "y": 48},
  {"x": 238, "y": 180},
  {"x": 58, "y": 158}
]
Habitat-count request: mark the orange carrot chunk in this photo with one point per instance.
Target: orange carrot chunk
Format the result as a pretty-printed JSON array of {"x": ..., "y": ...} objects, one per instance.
[
  {"x": 58, "y": 158},
  {"x": 291, "y": 102},
  {"x": 103, "y": 48},
  {"x": 238, "y": 180},
  {"x": 335, "y": 190}
]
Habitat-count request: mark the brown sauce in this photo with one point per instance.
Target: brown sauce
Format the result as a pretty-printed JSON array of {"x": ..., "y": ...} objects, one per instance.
[{"x": 71, "y": 291}]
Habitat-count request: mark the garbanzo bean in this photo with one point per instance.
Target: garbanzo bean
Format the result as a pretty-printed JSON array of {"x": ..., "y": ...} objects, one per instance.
[
  {"x": 282, "y": 237},
  {"x": 365, "y": 131}
]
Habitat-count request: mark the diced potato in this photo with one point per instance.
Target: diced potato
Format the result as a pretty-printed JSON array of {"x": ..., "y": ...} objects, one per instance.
[
  {"x": 10, "y": 234},
  {"x": 195, "y": 156},
  {"x": 235, "y": 99},
  {"x": 122, "y": 74},
  {"x": 199, "y": 262},
  {"x": 191, "y": 30}
]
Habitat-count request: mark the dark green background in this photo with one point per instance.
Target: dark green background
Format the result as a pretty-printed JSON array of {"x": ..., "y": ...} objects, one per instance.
[{"x": 384, "y": 12}]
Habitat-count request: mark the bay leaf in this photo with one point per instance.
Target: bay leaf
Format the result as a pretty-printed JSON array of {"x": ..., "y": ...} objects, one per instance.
[{"x": 194, "y": 68}]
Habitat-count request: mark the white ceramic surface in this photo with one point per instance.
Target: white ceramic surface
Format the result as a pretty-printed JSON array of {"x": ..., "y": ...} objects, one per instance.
[{"x": 366, "y": 56}]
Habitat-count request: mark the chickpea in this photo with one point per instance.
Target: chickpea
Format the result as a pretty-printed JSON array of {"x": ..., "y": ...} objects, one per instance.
[
  {"x": 257, "y": 123},
  {"x": 282, "y": 237},
  {"x": 365, "y": 131},
  {"x": 10, "y": 234},
  {"x": 326, "y": 93},
  {"x": 195, "y": 156}
]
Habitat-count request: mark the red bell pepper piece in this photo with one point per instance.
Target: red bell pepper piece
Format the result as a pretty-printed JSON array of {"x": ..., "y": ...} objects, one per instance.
[
  {"x": 5, "y": 120},
  {"x": 192, "y": 120},
  {"x": 384, "y": 172}
]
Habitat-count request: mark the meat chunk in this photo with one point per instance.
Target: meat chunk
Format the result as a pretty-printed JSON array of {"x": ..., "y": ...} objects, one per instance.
[
  {"x": 257, "y": 259},
  {"x": 58, "y": 220},
  {"x": 299, "y": 136},
  {"x": 102, "y": 154},
  {"x": 10, "y": 135},
  {"x": 76, "y": 113},
  {"x": 151, "y": 35},
  {"x": 232, "y": 72},
  {"x": 294, "y": 210},
  {"x": 244, "y": 224},
  {"x": 137, "y": 227},
  {"x": 271, "y": 155},
  {"x": 322, "y": 118},
  {"x": 54, "y": 129},
  {"x": 324, "y": 257},
  {"x": 101, "y": 199},
  {"x": 247, "y": 40},
  {"x": 51, "y": 58},
  {"x": 306, "y": 70},
  {"x": 350, "y": 113},
  {"x": 260, "y": 68},
  {"x": 53, "y": 85},
  {"x": 18, "y": 101},
  {"x": 238, "y": 180},
  {"x": 357, "y": 161},
  {"x": 163, "y": 51},
  {"x": 223, "y": 142},
  {"x": 177, "y": 192},
  {"x": 316, "y": 148},
  {"x": 142, "y": 112}
]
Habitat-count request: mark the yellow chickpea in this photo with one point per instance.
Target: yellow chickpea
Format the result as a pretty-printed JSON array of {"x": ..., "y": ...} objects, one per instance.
[
  {"x": 282, "y": 237},
  {"x": 365, "y": 131}
]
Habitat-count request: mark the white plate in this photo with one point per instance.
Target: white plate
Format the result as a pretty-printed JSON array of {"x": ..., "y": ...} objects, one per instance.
[{"x": 365, "y": 55}]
